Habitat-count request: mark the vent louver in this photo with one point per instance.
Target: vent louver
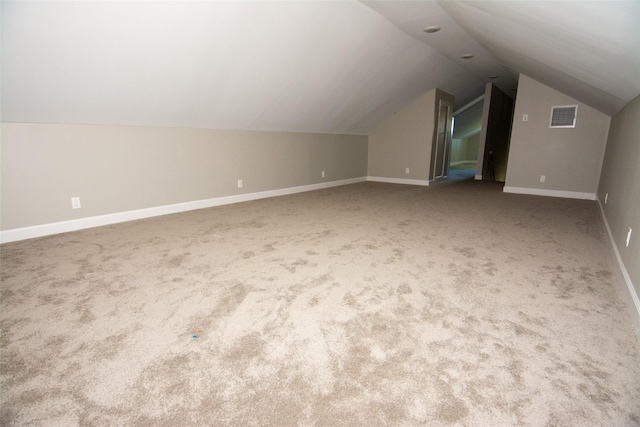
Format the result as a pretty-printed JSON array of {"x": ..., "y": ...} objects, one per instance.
[{"x": 563, "y": 116}]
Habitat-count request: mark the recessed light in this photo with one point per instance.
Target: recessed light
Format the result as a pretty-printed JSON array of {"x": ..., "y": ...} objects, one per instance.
[
  {"x": 431, "y": 29},
  {"x": 466, "y": 56}
]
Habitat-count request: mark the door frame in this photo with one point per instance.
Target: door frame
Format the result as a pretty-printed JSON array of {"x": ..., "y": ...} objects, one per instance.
[{"x": 447, "y": 134}]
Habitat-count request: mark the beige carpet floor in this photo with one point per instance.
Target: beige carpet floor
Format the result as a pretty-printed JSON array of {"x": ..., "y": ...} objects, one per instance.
[{"x": 369, "y": 304}]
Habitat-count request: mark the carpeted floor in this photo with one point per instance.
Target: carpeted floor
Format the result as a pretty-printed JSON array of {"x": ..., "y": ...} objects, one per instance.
[{"x": 368, "y": 304}]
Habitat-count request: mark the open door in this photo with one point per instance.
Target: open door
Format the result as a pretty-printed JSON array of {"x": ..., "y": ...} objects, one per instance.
[
  {"x": 493, "y": 151},
  {"x": 442, "y": 147}
]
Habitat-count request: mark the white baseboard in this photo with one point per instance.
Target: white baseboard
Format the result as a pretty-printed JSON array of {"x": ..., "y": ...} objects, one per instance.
[
  {"x": 24, "y": 233},
  {"x": 422, "y": 182},
  {"x": 627, "y": 293},
  {"x": 550, "y": 193}
]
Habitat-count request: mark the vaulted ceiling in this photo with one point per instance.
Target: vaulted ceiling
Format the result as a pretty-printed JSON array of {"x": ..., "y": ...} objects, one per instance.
[{"x": 312, "y": 66}]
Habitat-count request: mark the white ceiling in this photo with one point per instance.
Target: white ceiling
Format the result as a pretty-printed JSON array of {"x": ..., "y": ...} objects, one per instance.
[{"x": 312, "y": 66}]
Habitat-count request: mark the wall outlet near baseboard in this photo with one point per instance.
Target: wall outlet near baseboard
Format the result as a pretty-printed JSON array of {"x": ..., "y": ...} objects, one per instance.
[
  {"x": 239, "y": 183},
  {"x": 543, "y": 178},
  {"x": 75, "y": 203},
  {"x": 406, "y": 170},
  {"x": 323, "y": 174}
]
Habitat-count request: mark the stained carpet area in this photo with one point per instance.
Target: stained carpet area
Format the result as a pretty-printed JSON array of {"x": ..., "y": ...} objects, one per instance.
[{"x": 368, "y": 304}]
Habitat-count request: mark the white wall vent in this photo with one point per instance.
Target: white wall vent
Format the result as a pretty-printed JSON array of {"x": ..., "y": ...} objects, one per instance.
[{"x": 563, "y": 116}]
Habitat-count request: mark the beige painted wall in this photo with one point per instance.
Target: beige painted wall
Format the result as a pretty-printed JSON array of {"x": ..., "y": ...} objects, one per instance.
[
  {"x": 465, "y": 150},
  {"x": 458, "y": 150},
  {"x": 122, "y": 168},
  {"x": 472, "y": 147},
  {"x": 404, "y": 141},
  {"x": 621, "y": 180},
  {"x": 571, "y": 159}
]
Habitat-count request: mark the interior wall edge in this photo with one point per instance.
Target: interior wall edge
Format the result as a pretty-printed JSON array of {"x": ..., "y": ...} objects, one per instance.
[
  {"x": 468, "y": 105},
  {"x": 627, "y": 293},
  {"x": 483, "y": 129},
  {"x": 24, "y": 233}
]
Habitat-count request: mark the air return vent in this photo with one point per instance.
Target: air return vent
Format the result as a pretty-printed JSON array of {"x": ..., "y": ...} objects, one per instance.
[{"x": 563, "y": 116}]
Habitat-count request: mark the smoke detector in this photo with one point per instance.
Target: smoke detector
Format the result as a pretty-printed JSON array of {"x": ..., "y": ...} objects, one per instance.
[{"x": 431, "y": 29}]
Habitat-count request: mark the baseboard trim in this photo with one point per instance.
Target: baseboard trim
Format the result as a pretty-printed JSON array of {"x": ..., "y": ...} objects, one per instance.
[
  {"x": 465, "y": 162},
  {"x": 422, "y": 182},
  {"x": 550, "y": 193},
  {"x": 627, "y": 293},
  {"x": 25, "y": 233}
]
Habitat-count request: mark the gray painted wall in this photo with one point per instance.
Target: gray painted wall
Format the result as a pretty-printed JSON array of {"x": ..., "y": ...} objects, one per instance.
[
  {"x": 122, "y": 168},
  {"x": 570, "y": 159},
  {"x": 621, "y": 180}
]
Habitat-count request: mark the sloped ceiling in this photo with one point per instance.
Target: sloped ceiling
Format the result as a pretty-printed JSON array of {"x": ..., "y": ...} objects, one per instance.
[
  {"x": 587, "y": 49},
  {"x": 326, "y": 66}
]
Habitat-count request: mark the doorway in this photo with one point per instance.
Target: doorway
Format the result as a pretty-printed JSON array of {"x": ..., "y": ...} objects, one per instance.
[
  {"x": 442, "y": 147},
  {"x": 465, "y": 140},
  {"x": 493, "y": 152}
]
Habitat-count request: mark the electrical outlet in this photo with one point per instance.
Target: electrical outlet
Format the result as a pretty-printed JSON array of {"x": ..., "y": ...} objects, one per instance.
[
  {"x": 323, "y": 174},
  {"x": 406, "y": 170},
  {"x": 525, "y": 117},
  {"x": 239, "y": 183},
  {"x": 628, "y": 236},
  {"x": 75, "y": 203},
  {"x": 543, "y": 178}
]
